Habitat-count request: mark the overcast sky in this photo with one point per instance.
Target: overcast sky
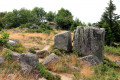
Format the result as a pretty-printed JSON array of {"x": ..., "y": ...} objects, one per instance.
[{"x": 85, "y": 10}]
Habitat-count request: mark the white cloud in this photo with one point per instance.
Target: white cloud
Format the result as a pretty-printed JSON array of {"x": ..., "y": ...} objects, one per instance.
[{"x": 85, "y": 10}]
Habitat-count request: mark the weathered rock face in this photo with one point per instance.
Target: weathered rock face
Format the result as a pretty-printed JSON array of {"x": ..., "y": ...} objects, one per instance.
[
  {"x": 90, "y": 41},
  {"x": 29, "y": 58},
  {"x": 90, "y": 59},
  {"x": 63, "y": 41},
  {"x": 1, "y": 59},
  {"x": 52, "y": 58}
]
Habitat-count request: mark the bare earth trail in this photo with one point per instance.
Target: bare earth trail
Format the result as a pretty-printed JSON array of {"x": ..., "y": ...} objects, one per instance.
[{"x": 64, "y": 76}]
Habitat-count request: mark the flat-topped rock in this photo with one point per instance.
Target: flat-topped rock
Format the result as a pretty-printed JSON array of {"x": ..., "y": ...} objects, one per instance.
[
  {"x": 51, "y": 59},
  {"x": 63, "y": 41}
]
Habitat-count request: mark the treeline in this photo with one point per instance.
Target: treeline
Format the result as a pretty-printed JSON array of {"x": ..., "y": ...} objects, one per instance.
[
  {"x": 111, "y": 22},
  {"x": 63, "y": 19}
]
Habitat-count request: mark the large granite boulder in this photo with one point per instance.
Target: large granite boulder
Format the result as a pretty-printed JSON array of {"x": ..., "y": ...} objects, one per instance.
[
  {"x": 90, "y": 41},
  {"x": 89, "y": 60},
  {"x": 28, "y": 62},
  {"x": 63, "y": 41},
  {"x": 51, "y": 59},
  {"x": 29, "y": 58}
]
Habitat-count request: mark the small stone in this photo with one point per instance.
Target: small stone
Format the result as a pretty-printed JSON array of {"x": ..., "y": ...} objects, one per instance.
[
  {"x": 117, "y": 62},
  {"x": 75, "y": 68},
  {"x": 15, "y": 40},
  {"x": 51, "y": 59},
  {"x": 1, "y": 59}
]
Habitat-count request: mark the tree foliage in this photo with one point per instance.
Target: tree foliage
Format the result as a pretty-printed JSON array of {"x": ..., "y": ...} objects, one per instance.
[
  {"x": 109, "y": 21},
  {"x": 39, "y": 14},
  {"x": 50, "y": 16},
  {"x": 64, "y": 19}
]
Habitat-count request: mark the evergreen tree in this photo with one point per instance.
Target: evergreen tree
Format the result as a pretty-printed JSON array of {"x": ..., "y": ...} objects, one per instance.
[{"x": 109, "y": 21}]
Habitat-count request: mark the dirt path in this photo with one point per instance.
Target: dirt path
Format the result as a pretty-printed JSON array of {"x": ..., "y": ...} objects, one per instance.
[{"x": 64, "y": 76}]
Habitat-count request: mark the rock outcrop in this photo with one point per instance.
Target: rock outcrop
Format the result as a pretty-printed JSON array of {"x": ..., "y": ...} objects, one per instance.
[
  {"x": 90, "y": 59},
  {"x": 29, "y": 58},
  {"x": 63, "y": 41},
  {"x": 90, "y": 41},
  {"x": 51, "y": 59},
  {"x": 28, "y": 62}
]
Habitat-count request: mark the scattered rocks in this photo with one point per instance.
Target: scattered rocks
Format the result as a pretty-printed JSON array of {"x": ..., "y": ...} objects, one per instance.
[
  {"x": 1, "y": 59},
  {"x": 34, "y": 26},
  {"x": 90, "y": 59},
  {"x": 90, "y": 41},
  {"x": 10, "y": 75},
  {"x": 42, "y": 53},
  {"x": 75, "y": 68},
  {"x": 63, "y": 41},
  {"x": 117, "y": 62},
  {"x": 52, "y": 58}
]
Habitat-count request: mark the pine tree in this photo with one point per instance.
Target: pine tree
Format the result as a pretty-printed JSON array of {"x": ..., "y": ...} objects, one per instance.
[{"x": 109, "y": 21}]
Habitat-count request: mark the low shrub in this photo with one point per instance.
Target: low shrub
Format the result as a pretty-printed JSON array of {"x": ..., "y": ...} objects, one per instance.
[
  {"x": 7, "y": 55},
  {"x": 27, "y": 25},
  {"x": 78, "y": 53},
  {"x": 32, "y": 50},
  {"x": 4, "y": 38},
  {"x": 17, "y": 48},
  {"x": 44, "y": 73},
  {"x": 112, "y": 50}
]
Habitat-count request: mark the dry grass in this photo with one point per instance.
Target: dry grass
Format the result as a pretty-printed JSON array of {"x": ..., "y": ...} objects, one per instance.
[
  {"x": 64, "y": 64},
  {"x": 112, "y": 57},
  {"x": 33, "y": 39},
  {"x": 16, "y": 76},
  {"x": 87, "y": 71}
]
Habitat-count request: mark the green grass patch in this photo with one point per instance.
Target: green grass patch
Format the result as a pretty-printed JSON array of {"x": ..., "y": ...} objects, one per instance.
[
  {"x": 112, "y": 50},
  {"x": 17, "y": 48},
  {"x": 44, "y": 73}
]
